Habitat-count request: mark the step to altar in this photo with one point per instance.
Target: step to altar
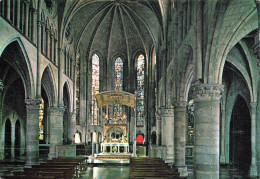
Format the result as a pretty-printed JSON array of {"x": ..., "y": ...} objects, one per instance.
[{"x": 113, "y": 156}]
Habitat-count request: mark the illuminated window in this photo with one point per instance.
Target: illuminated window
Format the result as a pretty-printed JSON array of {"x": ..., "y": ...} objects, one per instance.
[
  {"x": 118, "y": 110},
  {"x": 41, "y": 121},
  {"x": 77, "y": 87},
  {"x": 140, "y": 90},
  {"x": 95, "y": 87}
]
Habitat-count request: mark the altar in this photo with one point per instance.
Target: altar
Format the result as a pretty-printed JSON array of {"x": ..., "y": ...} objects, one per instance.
[{"x": 117, "y": 145}]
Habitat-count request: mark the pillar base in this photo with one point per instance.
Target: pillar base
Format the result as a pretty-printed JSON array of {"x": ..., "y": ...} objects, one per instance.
[
  {"x": 222, "y": 159},
  {"x": 253, "y": 171},
  {"x": 169, "y": 160},
  {"x": 183, "y": 171}
]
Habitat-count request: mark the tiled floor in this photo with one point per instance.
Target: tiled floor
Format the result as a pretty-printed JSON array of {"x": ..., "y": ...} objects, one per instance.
[{"x": 112, "y": 169}]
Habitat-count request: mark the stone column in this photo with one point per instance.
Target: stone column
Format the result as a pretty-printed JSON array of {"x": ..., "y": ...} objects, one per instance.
[
  {"x": 43, "y": 38},
  {"x": 207, "y": 118},
  {"x": 158, "y": 129},
  {"x": 56, "y": 128},
  {"x": 55, "y": 51},
  {"x": 223, "y": 123},
  {"x": 72, "y": 127},
  {"x": 18, "y": 14},
  {"x": 258, "y": 139},
  {"x": 3, "y": 9},
  {"x": 253, "y": 167},
  {"x": 34, "y": 26},
  {"x": 27, "y": 3},
  {"x": 32, "y": 131},
  {"x": 51, "y": 47},
  {"x": 8, "y": 10},
  {"x": 22, "y": 18},
  {"x": 180, "y": 136},
  {"x": 2, "y": 151},
  {"x": 168, "y": 133},
  {"x": 47, "y": 48}
]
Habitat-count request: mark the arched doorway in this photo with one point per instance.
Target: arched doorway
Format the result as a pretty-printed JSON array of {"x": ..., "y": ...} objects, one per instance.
[
  {"x": 240, "y": 135},
  {"x": 17, "y": 138},
  {"x": 8, "y": 143}
]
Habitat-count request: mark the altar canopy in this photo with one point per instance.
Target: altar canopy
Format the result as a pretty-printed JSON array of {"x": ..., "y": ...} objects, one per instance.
[{"x": 115, "y": 97}]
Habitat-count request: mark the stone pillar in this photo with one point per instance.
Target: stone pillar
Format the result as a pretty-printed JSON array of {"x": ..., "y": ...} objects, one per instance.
[
  {"x": 180, "y": 136},
  {"x": 3, "y": 9},
  {"x": 253, "y": 167},
  {"x": 258, "y": 139},
  {"x": 47, "y": 48},
  {"x": 18, "y": 14},
  {"x": 34, "y": 26},
  {"x": 2, "y": 151},
  {"x": 8, "y": 10},
  {"x": 168, "y": 133},
  {"x": 158, "y": 129},
  {"x": 32, "y": 131},
  {"x": 43, "y": 38},
  {"x": 223, "y": 123},
  {"x": 55, "y": 52},
  {"x": 56, "y": 128},
  {"x": 72, "y": 127},
  {"x": 27, "y": 3},
  {"x": 22, "y": 18},
  {"x": 51, "y": 47},
  {"x": 206, "y": 144}
]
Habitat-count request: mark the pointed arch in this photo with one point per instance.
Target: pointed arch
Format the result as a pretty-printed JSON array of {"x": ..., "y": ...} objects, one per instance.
[
  {"x": 21, "y": 63},
  {"x": 48, "y": 83}
]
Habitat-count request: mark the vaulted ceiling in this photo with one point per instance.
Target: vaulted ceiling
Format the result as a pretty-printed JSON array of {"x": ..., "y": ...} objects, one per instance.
[{"x": 116, "y": 27}]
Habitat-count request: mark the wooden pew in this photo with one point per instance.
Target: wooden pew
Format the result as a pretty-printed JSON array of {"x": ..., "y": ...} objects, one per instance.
[{"x": 151, "y": 168}]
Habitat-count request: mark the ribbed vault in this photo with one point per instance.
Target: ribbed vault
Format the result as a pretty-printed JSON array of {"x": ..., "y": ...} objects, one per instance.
[{"x": 116, "y": 26}]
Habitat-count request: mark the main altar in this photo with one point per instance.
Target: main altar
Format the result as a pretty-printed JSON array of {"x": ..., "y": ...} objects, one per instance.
[
  {"x": 115, "y": 137},
  {"x": 115, "y": 140}
]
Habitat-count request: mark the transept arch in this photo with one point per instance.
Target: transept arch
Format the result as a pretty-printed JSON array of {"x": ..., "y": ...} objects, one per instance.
[{"x": 246, "y": 23}]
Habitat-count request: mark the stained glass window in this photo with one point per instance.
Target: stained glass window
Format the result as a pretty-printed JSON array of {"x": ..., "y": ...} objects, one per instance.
[
  {"x": 140, "y": 90},
  {"x": 118, "y": 74},
  {"x": 41, "y": 121},
  {"x": 118, "y": 110},
  {"x": 95, "y": 87},
  {"x": 77, "y": 87}
]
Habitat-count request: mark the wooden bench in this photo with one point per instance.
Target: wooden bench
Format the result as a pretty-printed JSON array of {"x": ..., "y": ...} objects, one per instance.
[{"x": 151, "y": 168}]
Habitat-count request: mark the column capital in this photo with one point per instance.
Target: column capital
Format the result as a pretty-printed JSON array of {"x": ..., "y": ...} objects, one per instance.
[
  {"x": 207, "y": 92},
  {"x": 253, "y": 104},
  {"x": 41, "y": 23},
  {"x": 52, "y": 35},
  {"x": 33, "y": 103},
  {"x": 56, "y": 110},
  {"x": 27, "y": 2},
  {"x": 48, "y": 30},
  {"x": 34, "y": 11},
  {"x": 60, "y": 50},
  {"x": 179, "y": 104},
  {"x": 167, "y": 112}
]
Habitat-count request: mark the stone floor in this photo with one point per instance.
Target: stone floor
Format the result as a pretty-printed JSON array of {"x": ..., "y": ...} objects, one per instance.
[{"x": 112, "y": 169}]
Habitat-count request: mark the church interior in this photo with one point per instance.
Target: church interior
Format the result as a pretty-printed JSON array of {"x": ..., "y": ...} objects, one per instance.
[{"x": 129, "y": 89}]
